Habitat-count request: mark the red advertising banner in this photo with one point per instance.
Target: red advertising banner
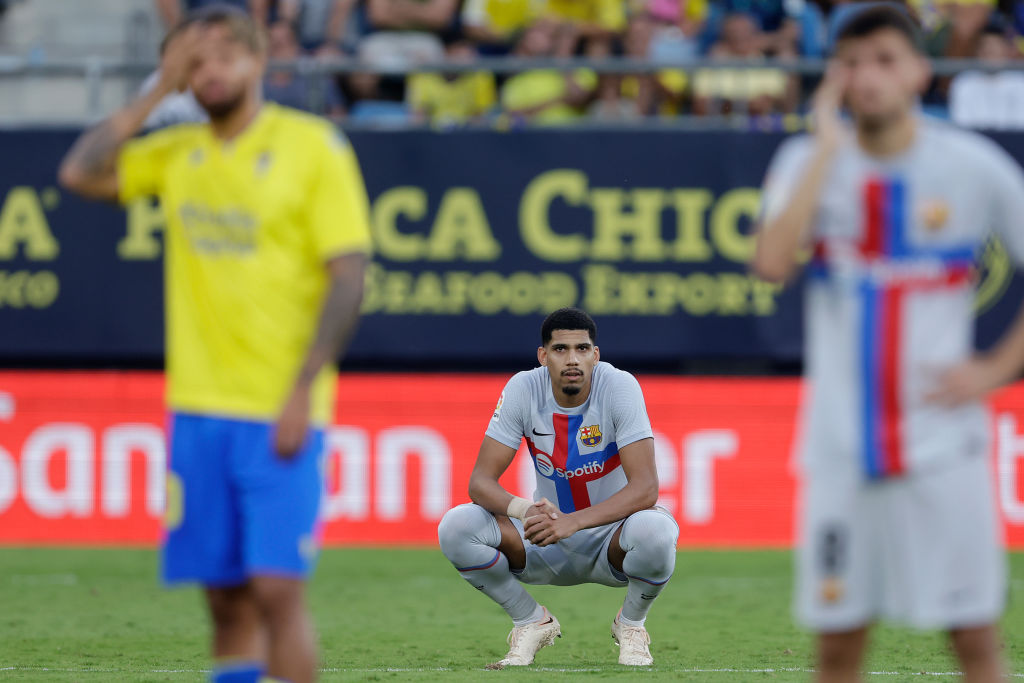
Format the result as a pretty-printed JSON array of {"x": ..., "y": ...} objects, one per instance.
[{"x": 82, "y": 457}]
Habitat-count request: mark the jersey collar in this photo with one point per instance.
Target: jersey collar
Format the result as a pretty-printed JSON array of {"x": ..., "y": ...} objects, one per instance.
[{"x": 264, "y": 118}]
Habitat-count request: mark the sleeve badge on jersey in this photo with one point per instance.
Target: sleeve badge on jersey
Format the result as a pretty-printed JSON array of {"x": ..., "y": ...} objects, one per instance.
[
  {"x": 590, "y": 436},
  {"x": 497, "y": 408}
]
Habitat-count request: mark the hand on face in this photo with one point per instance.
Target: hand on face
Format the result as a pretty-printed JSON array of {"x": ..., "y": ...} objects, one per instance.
[
  {"x": 180, "y": 59},
  {"x": 828, "y": 100}
]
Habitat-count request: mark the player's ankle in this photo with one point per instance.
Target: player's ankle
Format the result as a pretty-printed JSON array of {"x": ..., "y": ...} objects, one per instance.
[
  {"x": 631, "y": 622},
  {"x": 539, "y": 614}
]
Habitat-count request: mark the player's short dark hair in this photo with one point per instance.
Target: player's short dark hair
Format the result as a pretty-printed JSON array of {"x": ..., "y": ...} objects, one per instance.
[
  {"x": 242, "y": 27},
  {"x": 567, "y": 319},
  {"x": 876, "y": 17}
]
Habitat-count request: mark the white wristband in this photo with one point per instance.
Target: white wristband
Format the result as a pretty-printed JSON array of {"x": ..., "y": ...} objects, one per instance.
[{"x": 517, "y": 508}]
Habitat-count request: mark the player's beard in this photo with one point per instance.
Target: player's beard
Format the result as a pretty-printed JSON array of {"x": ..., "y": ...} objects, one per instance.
[
  {"x": 218, "y": 111},
  {"x": 571, "y": 390},
  {"x": 873, "y": 124}
]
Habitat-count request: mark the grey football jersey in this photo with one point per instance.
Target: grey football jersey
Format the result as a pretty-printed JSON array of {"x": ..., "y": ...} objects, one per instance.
[
  {"x": 575, "y": 451},
  {"x": 890, "y": 293}
]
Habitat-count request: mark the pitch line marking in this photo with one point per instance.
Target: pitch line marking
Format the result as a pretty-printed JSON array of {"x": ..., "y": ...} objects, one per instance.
[{"x": 546, "y": 669}]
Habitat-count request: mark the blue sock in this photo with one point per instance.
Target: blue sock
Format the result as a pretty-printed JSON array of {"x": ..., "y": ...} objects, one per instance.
[{"x": 236, "y": 671}]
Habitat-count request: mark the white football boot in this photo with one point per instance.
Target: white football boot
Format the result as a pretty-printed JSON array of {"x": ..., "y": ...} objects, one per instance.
[
  {"x": 634, "y": 644},
  {"x": 524, "y": 642}
]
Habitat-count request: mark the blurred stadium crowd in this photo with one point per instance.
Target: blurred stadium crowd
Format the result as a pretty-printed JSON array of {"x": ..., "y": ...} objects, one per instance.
[{"x": 737, "y": 58}]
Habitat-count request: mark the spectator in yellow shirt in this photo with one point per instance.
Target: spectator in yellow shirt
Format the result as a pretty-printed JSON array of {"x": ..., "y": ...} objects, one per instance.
[
  {"x": 447, "y": 100},
  {"x": 494, "y": 24},
  {"x": 585, "y": 22},
  {"x": 546, "y": 96},
  {"x": 591, "y": 17}
]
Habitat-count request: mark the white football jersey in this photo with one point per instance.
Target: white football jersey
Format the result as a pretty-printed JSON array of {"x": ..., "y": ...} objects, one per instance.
[
  {"x": 575, "y": 450},
  {"x": 890, "y": 293}
]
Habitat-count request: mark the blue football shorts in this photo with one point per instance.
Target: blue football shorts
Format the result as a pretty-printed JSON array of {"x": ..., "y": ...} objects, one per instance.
[{"x": 235, "y": 509}]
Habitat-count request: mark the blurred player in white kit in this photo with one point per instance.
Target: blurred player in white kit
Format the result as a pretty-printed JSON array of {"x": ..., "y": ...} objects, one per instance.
[
  {"x": 898, "y": 510},
  {"x": 592, "y": 519}
]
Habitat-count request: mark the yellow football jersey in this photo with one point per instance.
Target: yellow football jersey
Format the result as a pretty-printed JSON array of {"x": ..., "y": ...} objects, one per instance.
[
  {"x": 608, "y": 14},
  {"x": 536, "y": 86},
  {"x": 250, "y": 225},
  {"x": 453, "y": 101}
]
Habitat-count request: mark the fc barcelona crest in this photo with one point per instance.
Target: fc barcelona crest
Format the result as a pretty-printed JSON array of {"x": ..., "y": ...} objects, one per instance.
[
  {"x": 590, "y": 436},
  {"x": 831, "y": 589},
  {"x": 934, "y": 214}
]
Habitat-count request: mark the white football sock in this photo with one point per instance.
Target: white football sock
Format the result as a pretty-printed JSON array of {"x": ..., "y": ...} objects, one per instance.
[
  {"x": 649, "y": 538},
  {"x": 469, "y": 537}
]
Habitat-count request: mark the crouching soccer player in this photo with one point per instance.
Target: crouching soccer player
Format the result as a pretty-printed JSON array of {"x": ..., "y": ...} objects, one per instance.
[{"x": 592, "y": 520}]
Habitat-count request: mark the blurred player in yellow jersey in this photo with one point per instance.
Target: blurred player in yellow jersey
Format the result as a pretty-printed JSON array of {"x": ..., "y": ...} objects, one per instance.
[{"x": 267, "y": 240}]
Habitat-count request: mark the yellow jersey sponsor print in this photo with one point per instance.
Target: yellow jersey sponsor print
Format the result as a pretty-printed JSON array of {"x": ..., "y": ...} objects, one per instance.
[{"x": 250, "y": 224}]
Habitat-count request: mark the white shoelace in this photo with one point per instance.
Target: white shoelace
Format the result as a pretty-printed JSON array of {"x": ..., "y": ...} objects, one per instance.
[
  {"x": 513, "y": 637},
  {"x": 636, "y": 639}
]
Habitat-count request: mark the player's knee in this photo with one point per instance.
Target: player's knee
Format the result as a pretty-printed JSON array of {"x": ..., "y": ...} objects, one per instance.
[
  {"x": 231, "y": 608},
  {"x": 653, "y": 535},
  {"x": 277, "y": 595},
  {"x": 467, "y": 524}
]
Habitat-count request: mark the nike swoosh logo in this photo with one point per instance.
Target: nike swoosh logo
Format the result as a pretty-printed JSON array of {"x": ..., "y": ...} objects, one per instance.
[{"x": 536, "y": 433}]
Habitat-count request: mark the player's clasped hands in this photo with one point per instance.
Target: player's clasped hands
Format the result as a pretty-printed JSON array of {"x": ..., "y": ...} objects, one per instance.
[
  {"x": 544, "y": 525},
  {"x": 542, "y": 507}
]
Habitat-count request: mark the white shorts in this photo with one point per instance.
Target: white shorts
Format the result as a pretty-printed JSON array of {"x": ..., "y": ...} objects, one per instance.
[
  {"x": 924, "y": 550},
  {"x": 581, "y": 558}
]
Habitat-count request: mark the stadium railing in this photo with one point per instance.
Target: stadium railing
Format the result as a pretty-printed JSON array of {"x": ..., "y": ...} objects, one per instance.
[{"x": 96, "y": 72}]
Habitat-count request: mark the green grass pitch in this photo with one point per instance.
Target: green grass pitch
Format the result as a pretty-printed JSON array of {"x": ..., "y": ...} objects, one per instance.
[{"x": 384, "y": 615}]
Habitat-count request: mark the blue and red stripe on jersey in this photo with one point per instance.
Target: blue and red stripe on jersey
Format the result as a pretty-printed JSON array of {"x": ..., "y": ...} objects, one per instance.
[
  {"x": 885, "y": 239},
  {"x": 884, "y": 203},
  {"x": 572, "y": 492},
  {"x": 885, "y": 242}
]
